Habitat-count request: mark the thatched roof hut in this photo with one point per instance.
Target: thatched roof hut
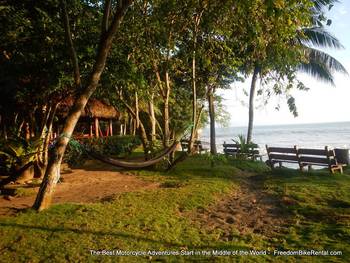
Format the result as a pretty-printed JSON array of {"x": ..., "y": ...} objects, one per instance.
[
  {"x": 94, "y": 109},
  {"x": 89, "y": 123}
]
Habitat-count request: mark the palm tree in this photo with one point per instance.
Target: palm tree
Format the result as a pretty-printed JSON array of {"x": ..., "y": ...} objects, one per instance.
[{"x": 319, "y": 64}]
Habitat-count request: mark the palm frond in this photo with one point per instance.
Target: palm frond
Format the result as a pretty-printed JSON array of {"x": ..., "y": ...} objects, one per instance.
[
  {"x": 321, "y": 65},
  {"x": 320, "y": 37},
  {"x": 317, "y": 71},
  {"x": 319, "y": 5},
  {"x": 327, "y": 60}
]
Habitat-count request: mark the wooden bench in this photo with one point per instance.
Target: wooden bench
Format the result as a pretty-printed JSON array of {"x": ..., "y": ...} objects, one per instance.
[
  {"x": 235, "y": 150},
  {"x": 281, "y": 155},
  {"x": 197, "y": 145},
  {"x": 304, "y": 157},
  {"x": 319, "y": 157}
]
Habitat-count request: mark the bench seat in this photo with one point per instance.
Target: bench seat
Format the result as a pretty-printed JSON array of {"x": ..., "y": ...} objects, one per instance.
[
  {"x": 234, "y": 149},
  {"x": 304, "y": 157},
  {"x": 197, "y": 145}
]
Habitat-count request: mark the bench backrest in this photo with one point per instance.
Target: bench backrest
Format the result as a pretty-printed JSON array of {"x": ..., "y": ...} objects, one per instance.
[
  {"x": 197, "y": 144},
  {"x": 236, "y": 148},
  {"x": 317, "y": 156},
  {"x": 282, "y": 154},
  {"x": 303, "y": 156}
]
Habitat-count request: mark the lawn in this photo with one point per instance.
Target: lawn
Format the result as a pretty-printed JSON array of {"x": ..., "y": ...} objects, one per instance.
[{"x": 315, "y": 207}]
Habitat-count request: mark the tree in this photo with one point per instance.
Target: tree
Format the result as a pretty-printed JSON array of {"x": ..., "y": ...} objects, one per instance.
[
  {"x": 33, "y": 72},
  {"x": 111, "y": 21},
  {"x": 318, "y": 63},
  {"x": 275, "y": 27}
]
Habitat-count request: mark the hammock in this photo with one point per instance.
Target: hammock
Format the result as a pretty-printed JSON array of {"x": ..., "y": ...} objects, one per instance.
[{"x": 132, "y": 165}]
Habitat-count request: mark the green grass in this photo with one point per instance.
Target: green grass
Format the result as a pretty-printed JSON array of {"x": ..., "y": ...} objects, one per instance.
[
  {"x": 158, "y": 219},
  {"x": 320, "y": 209},
  {"x": 20, "y": 192}
]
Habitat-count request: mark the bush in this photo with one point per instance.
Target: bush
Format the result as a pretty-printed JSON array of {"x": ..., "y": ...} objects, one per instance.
[
  {"x": 112, "y": 145},
  {"x": 17, "y": 152}
]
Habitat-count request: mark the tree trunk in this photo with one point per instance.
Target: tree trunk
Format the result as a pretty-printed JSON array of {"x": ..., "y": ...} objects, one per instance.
[
  {"x": 251, "y": 104},
  {"x": 137, "y": 117},
  {"x": 194, "y": 88},
  {"x": 166, "y": 132},
  {"x": 194, "y": 99},
  {"x": 141, "y": 128},
  {"x": 52, "y": 174},
  {"x": 73, "y": 54},
  {"x": 165, "y": 93},
  {"x": 125, "y": 126},
  {"x": 43, "y": 158},
  {"x": 152, "y": 117},
  {"x": 19, "y": 131},
  {"x": 32, "y": 129},
  {"x": 4, "y": 130},
  {"x": 212, "y": 121}
]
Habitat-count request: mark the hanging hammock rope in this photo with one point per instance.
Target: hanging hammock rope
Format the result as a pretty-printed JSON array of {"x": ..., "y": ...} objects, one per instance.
[
  {"x": 130, "y": 164},
  {"x": 126, "y": 164},
  {"x": 78, "y": 146}
]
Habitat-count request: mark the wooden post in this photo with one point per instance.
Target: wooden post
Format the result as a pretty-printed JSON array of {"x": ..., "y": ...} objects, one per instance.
[
  {"x": 298, "y": 156},
  {"x": 99, "y": 129},
  {"x": 111, "y": 127},
  {"x": 91, "y": 131},
  {"x": 96, "y": 127},
  {"x": 27, "y": 131},
  {"x": 268, "y": 155}
]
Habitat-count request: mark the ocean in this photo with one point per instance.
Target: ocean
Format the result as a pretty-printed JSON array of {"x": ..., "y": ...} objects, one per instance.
[{"x": 316, "y": 135}]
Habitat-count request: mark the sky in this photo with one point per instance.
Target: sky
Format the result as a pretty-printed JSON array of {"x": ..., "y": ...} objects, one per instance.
[{"x": 322, "y": 103}]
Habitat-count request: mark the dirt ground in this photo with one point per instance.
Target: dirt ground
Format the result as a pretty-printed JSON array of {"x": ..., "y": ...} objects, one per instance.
[
  {"x": 91, "y": 183},
  {"x": 249, "y": 210}
]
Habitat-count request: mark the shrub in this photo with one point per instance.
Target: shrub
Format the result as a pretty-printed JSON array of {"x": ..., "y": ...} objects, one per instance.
[
  {"x": 17, "y": 152},
  {"x": 112, "y": 145}
]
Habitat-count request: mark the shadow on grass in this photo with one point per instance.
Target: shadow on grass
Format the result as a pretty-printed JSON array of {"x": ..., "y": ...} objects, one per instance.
[
  {"x": 80, "y": 231},
  {"x": 114, "y": 234}
]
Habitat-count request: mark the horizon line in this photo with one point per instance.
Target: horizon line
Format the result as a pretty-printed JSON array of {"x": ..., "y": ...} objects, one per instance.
[{"x": 276, "y": 124}]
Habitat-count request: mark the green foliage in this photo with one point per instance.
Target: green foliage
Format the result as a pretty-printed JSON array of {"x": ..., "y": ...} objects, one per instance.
[
  {"x": 245, "y": 148},
  {"x": 15, "y": 153},
  {"x": 249, "y": 165},
  {"x": 215, "y": 159},
  {"x": 75, "y": 154},
  {"x": 21, "y": 192},
  {"x": 111, "y": 145}
]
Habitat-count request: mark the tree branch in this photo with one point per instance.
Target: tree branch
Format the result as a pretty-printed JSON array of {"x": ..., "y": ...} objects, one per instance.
[
  {"x": 106, "y": 14},
  {"x": 71, "y": 47}
]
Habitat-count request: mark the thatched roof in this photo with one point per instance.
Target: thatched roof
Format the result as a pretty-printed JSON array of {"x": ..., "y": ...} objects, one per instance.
[{"x": 94, "y": 108}]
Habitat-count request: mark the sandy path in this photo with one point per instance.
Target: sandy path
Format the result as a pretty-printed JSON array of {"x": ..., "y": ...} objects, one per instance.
[
  {"x": 93, "y": 183},
  {"x": 248, "y": 210}
]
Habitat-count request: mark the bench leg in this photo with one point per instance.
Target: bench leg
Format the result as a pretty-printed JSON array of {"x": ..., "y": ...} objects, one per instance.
[{"x": 340, "y": 168}]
